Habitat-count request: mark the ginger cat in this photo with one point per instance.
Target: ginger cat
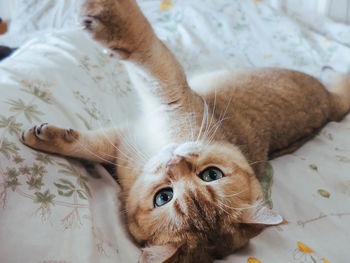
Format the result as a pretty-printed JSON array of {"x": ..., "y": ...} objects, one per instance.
[{"x": 194, "y": 195}]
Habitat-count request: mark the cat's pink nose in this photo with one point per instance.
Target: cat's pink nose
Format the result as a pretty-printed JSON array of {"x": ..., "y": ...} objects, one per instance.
[{"x": 178, "y": 167}]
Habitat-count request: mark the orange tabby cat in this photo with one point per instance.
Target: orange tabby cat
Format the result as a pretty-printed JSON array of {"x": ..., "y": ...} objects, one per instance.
[{"x": 194, "y": 195}]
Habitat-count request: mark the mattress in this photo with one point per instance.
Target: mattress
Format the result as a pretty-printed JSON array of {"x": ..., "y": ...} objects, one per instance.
[{"x": 56, "y": 209}]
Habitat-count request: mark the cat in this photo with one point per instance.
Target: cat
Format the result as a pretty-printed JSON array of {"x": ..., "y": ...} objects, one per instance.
[{"x": 192, "y": 193}]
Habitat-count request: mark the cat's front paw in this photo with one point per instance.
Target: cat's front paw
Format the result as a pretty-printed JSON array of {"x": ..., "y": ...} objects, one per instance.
[
  {"x": 117, "y": 24},
  {"x": 48, "y": 138}
]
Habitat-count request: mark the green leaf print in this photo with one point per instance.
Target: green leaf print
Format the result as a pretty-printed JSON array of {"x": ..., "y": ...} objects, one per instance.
[
  {"x": 7, "y": 148},
  {"x": 67, "y": 169},
  {"x": 44, "y": 158},
  {"x": 13, "y": 183},
  {"x": 17, "y": 159},
  {"x": 25, "y": 170},
  {"x": 68, "y": 183},
  {"x": 81, "y": 194},
  {"x": 68, "y": 194},
  {"x": 45, "y": 199},
  {"x": 35, "y": 183},
  {"x": 30, "y": 111},
  {"x": 266, "y": 181},
  {"x": 12, "y": 172},
  {"x": 38, "y": 170},
  {"x": 14, "y": 128},
  {"x": 62, "y": 186}
]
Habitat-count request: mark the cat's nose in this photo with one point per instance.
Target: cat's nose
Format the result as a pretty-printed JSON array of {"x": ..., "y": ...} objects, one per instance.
[{"x": 178, "y": 167}]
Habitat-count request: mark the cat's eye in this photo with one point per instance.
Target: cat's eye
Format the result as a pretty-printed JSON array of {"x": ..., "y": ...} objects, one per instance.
[
  {"x": 211, "y": 174},
  {"x": 163, "y": 196}
]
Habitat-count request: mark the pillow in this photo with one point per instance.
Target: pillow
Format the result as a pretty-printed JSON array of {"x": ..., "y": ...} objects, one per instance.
[
  {"x": 37, "y": 17},
  {"x": 55, "y": 209}
]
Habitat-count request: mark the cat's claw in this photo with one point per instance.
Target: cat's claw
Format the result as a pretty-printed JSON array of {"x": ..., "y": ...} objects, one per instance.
[
  {"x": 89, "y": 23},
  {"x": 39, "y": 130}
]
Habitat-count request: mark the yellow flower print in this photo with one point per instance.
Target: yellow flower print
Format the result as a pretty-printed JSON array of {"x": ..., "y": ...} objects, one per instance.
[
  {"x": 166, "y": 4},
  {"x": 304, "y": 248},
  {"x": 256, "y": 2},
  {"x": 253, "y": 260},
  {"x": 304, "y": 254}
]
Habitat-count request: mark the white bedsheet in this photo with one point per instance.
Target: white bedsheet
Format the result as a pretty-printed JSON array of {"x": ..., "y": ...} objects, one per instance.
[{"x": 55, "y": 209}]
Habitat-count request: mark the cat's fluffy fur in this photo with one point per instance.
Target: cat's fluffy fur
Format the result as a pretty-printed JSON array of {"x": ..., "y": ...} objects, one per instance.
[{"x": 232, "y": 121}]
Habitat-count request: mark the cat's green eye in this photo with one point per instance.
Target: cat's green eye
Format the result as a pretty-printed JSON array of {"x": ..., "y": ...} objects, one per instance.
[
  {"x": 211, "y": 174},
  {"x": 163, "y": 196}
]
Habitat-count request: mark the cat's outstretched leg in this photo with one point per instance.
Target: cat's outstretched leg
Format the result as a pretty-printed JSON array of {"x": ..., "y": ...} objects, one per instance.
[
  {"x": 121, "y": 27},
  {"x": 98, "y": 146}
]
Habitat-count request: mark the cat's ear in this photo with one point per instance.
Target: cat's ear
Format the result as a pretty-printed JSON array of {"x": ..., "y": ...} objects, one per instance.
[
  {"x": 261, "y": 215},
  {"x": 158, "y": 254}
]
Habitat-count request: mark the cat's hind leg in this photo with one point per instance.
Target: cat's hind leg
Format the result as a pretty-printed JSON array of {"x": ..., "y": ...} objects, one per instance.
[
  {"x": 338, "y": 85},
  {"x": 98, "y": 146}
]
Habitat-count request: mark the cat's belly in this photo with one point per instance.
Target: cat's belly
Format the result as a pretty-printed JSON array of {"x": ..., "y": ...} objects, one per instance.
[{"x": 267, "y": 109}]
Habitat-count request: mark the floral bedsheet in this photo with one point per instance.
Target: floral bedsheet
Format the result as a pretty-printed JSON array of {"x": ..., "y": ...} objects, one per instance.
[{"x": 55, "y": 209}]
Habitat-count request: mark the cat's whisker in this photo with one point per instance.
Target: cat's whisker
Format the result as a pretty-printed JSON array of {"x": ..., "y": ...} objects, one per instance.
[
  {"x": 209, "y": 123},
  {"x": 206, "y": 122},
  {"x": 98, "y": 156},
  {"x": 104, "y": 134},
  {"x": 205, "y": 114},
  {"x": 257, "y": 204},
  {"x": 255, "y": 162},
  {"x": 217, "y": 126},
  {"x": 134, "y": 152},
  {"x": 137, "y": 150},
  {"x": 139, "y": 154},
  {"x": 114, "y": 146},
  {"x": 222, "y": 209},
  {"x": 210, "y": 132},
  {"x": 129, "y": 154},
  {"x": 232, "y": 195}
]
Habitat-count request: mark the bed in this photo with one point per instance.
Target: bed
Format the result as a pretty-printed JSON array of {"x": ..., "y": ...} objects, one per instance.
[{"x": 55, "y": 209}]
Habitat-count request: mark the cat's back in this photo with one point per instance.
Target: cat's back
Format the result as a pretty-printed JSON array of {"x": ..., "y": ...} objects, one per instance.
[
  {"x": 259, "y": 81},
  {"x": 279, "y": 104}
]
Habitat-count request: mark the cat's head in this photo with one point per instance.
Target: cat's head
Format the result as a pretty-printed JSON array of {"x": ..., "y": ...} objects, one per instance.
[{"x": 194, "y": 203}]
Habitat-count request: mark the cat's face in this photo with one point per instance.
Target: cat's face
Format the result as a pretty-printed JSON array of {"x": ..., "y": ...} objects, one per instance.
[{"x": 193, "y": 196}]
